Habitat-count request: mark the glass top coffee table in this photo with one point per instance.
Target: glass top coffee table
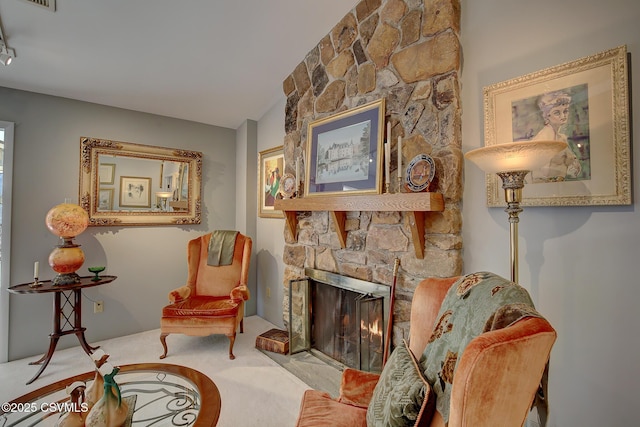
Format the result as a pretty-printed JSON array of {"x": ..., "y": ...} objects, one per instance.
[{"x": 162, "y": 395}]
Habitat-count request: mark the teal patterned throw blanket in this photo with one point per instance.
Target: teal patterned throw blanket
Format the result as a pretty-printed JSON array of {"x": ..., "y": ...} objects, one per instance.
[
  {"x": 475, "y": 304},
  {"x": 221, "y": 247}
]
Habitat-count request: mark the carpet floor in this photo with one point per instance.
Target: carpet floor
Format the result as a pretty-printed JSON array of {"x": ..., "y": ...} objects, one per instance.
[{"x": 255, "y": 390}]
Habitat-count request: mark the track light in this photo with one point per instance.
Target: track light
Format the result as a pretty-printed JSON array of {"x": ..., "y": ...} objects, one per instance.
[
  {"x": 6, "y": 54},
  {"x": 5, "y": 57}
]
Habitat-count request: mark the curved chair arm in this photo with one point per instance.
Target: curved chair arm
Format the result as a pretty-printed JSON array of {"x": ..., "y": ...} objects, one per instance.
[
  {"x": 240, "y": 292},
  {"x": 356, "y": 387},
  {"x": 179, "y": 294},
  {"x": 484, "y": 395}
]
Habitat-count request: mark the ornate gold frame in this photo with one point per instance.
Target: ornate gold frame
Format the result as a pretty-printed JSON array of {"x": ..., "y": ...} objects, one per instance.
[
  {"x": 605, "y": 77},
  {"x": 275, "y": 154},
  {"x": 92, "y": 148}
]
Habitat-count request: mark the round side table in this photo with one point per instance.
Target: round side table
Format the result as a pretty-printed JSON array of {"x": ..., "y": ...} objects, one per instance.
[{"x": 67, "y": 313}]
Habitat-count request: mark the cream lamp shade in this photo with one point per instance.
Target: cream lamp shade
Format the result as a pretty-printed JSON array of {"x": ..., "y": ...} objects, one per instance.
[
  {"x": 164, "y": 196},
  {"x": 515, "y": 156}
]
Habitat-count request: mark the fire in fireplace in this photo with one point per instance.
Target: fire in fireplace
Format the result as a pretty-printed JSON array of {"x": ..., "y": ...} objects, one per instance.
[{"x": 339, "y": 316}]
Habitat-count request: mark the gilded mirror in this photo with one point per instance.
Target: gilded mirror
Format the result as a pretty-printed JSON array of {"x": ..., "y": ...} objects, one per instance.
[{"x": 123, "y": 183}]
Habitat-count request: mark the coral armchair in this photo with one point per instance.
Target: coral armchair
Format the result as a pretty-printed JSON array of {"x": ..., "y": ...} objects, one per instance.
[
  {"x": 495, "y": 381},
  {"x": 212, "y": 301}
]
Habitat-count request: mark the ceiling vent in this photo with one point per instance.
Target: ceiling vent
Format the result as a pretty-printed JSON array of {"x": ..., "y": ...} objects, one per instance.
[{"x": 47, "y": 4}]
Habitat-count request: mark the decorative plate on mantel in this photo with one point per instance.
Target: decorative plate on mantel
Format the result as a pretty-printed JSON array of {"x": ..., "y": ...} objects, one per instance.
[
  {"x": 420, "y": 172},
  {"x": 287, "y": 185}
]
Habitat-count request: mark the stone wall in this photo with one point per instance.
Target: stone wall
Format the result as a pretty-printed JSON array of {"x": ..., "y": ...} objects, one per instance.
[{"x": 407, "y": 52}]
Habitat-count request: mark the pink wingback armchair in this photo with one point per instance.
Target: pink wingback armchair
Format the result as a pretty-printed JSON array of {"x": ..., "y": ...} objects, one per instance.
[
  {"x": 495, "y": 383},
  {"x": 212, "y": 301}
]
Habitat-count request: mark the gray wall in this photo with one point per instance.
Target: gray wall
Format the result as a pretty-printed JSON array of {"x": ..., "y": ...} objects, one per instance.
[
  {"x": 577, "y": 262},
  {"x": 270, "y": 231},
  {"x": 245, "y": 198},
  {"x": 149, "y": 261}
]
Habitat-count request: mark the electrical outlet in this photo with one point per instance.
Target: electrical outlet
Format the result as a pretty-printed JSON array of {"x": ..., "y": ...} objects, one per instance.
[
  {"x": 98, "y": 307},
  {"x": 268, "y": 292}
]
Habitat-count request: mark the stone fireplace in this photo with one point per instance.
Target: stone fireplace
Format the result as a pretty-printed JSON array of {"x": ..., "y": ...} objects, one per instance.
[{"x": 407, "y": 52}]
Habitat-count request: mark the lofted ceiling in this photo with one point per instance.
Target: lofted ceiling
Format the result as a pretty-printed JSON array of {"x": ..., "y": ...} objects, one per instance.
[{"x": 218, "y": 62}]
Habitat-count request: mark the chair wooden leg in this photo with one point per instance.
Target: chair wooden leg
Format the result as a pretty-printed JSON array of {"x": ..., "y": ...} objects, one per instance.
[
  {"x": 242, "y": 325},
  {"x": 232, "y": 339},
  {"x": 163, "y": 340}
]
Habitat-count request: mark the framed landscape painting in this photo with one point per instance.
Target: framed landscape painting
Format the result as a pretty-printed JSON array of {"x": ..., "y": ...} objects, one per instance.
[
  {"x": 344, "y": 152},
  {"x": 584, "y": 103}
]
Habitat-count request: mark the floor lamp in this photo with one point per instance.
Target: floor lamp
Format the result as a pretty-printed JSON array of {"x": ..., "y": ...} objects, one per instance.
[
  {"x": 512, "y": 162},
  {"x": 164, "y": 196}
]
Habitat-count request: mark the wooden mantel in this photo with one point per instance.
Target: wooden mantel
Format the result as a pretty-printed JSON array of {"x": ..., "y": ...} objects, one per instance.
[{"x": 415, "y": 204}]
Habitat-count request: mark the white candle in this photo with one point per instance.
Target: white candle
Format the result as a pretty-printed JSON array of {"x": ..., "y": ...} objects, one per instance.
[
  {"x": 97, "y": 354},
  {"x": 389, "y": 132},
  {"x": 387, "y": 156},
  {"x": 106, "y": 369},
  {"x": 36, "y": 267},
  {"x": 297, "y": 173},
  {"x": 399, "y": 157}
]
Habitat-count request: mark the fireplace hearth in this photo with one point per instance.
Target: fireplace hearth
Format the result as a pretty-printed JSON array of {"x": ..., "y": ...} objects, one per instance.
[{"x": 339, "y": 316}]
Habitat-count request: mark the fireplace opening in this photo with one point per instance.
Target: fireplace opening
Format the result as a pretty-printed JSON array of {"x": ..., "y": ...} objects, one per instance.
[{"x": 341, "y": 317}]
